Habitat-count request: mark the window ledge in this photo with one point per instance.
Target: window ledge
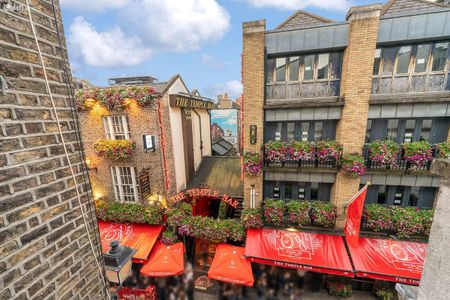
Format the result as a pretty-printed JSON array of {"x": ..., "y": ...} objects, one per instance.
[{"x": 397, "y": 98}]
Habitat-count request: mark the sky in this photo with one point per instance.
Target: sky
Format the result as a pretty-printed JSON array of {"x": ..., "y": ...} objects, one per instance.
[{"x": 199, "y": 39}]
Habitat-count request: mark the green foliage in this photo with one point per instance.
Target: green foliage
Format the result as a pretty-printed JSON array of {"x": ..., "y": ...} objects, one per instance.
[
  {"x": 251, "y": 218},
  {"x": 169, "y": 237},
  {"x": 443, "y": 149},
  {"x": 323, "y": 214},
  {"x": 274, "y": 211},
  {"x": 219, "y": 230},
  {"x": 353, "y": 165},
  {"x": 339, "y": 287},
  {"x": 384, "y": 152},
  {"x": 298, "y": 212},
  {"x": 177, "y": 213},
  {"x": 128, "y": 212}
]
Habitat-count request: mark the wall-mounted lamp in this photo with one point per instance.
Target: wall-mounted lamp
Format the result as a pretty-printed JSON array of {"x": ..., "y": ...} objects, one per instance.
[
  {"x": 252, "y": 197},
  {"x": 89, "y": 165},
  {"x": 118, "y": 262}
]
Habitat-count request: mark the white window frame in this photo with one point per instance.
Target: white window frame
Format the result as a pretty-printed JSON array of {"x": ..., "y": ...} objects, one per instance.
[
  {"x": 110, "y": 132},
  {"x": 116, "y": 174}
]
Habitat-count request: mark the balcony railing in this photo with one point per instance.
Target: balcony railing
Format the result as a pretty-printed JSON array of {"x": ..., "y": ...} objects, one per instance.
[{"x": 401, "y": 165}]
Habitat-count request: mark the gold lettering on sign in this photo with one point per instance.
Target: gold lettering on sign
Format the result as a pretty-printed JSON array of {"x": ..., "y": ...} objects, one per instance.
[{"x": 192, "y": 193}]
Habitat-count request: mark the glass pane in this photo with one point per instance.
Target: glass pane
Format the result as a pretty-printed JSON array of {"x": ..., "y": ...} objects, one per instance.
[
  {"x": 322, "y": 66},
  {"x": 368, "y": 130},
  {"x": 381, "y": 194},
  {"x": 301, "y": 190},
  {"x": 439, "y": 56},
  {"x": 392, "y": 129},
  {"x": 293, "y": 68},
  {"x": 279, "y": 128},
  {"x": 270, "y": 70},
  {"x": 318, "y": 131},
  {"x": 314, "y": 190},
  {"x": 290, "y": 131},
  {"x": 398, "y": 197},
  {"x": 414, "y": 196},
  {"x": 425, "y": 133},
  {"x": 336, "y": 65},
  {"x": 422, "y": 58},
  {"x": 404, "y": 53},
  {"x": 305, "y": 131},
  {"x": 281, "y": 69},
  {"x": 276, "y": 190},
  {"x": 409, "y": 131},
  {"x": 388, "y": 55},
  {"x": 309, "y": 67},
  {"x": 376, "y": 63},
  {"x": 288, "y": 190}
]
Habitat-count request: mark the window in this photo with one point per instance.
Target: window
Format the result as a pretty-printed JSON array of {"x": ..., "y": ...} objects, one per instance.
[
  {"x": 425, "y": 132},
  {"x": 314, "y": 191},
  {"x": 381, "y": 195},
  {"x": 404, "y": 54},
  {"x": 305, "y": 131},
  {"x": 290, "y": 131},
  {"x": 368, "y": 130},
  {"x": 125, "y": 184},
  {"x": 318, "y": 131},
  {"x": 422, "y": 58},
  {"x": 377, "y": 61},
  {"x": 392, "y": 129},
  {"x": 278, "y": 130},
  {"x": 270, "y": 68},
  {"x": 439, "y": 56},
  {"x": 280, "y": 65},
  {"x": 276, "y": 190},
  {"x": 409, "y": 131},
  {"x": 302, "y": 190},
  {"x": 288, "y": 190},
  {"x": 414, "y": 196},
  {"x": 308, "y": 73},
  {"x": 322, "y": 66},
  {"x": 116, "y": 127},
  {"x": 398, "y": 196},
  {"x": 294, "y": 63}
]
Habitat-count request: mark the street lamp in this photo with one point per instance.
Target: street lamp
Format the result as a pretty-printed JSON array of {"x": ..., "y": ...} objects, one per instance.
[{"x": 118, "y": 262}]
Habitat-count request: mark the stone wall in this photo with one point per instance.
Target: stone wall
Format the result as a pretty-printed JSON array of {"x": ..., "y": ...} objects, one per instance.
[{"x": 44, "y": 246}]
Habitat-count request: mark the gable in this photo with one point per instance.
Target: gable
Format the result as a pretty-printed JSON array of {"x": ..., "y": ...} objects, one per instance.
[
  {"x": 302, "y": 19},
  {"x": 395, "y": 8}
]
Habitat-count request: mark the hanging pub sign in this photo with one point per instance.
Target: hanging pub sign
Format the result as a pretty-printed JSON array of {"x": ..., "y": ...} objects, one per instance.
[
  {"x": 252, "y": 134},
  {"x": 144, "y": 183},
  {"x": 194, "y": 193},
  {"x": 189, "y": 102}
]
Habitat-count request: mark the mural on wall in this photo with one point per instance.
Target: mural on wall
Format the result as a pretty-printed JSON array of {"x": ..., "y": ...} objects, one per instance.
[{"x": 224, "y": 124}]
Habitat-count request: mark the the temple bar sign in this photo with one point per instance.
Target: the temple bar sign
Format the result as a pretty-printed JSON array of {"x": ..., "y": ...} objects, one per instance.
[
  {"x": 193, "y": 193},
  {"x": 187, "y": 102}
]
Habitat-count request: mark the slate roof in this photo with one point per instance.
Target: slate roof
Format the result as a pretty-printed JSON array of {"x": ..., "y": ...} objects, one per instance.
[
  {"x": 219, "y": 173},
  {"x": 221, "y": 145},
  {"x": 302, "y": 19},
  {"x": 397, "y": 8}
]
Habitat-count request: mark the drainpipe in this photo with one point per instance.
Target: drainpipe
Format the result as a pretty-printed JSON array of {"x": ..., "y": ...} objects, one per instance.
[{"x": 201, "y": 137}]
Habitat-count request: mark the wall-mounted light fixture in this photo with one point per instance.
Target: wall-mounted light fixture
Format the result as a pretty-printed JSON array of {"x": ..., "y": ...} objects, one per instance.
[
  {"x": 90, "y": 166},
  {"x": 118, "y": 262},
  {"x": 253, "y": 130}
]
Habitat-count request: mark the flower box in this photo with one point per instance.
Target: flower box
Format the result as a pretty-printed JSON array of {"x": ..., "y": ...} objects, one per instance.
[
  {"x": 378, "y": 217},
  {"x": 115, "y": 149},
  {"x": 300, "y": 150},
  {"x": 253, "y": 163},
  {"x": 299, "y": 212},
  {"x": 275, "y": 151},
  {"x": 128, "y": 212},
  {"x": 169, "y": 237},
  {"x": 353, "y": 165},
  {"x": 418, "y": 154},
  {"x": 384, "y": 153},
  {"x": 328, "y": 150},
  {"x": 443, "y": 150},
  {"x": 176, "y": 214},
  {"x": 274, "y": 211},
  {"x": 323, "y": 214},
  {"x": 251, "y": 218}
]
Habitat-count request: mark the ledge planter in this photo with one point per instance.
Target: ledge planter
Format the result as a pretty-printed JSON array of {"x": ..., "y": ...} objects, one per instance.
[
  {"x": 115, "y": 149},
  {"x": 407, "y": 221},
  {"x": 300, "y": 150},
  {"x": 384, "y": 153},
  {"x": 418, "y": 154},
  {"x": 218, "y": 230},
  {"x": 378, "y": 217},
  {"x": 275, "y": 151},
  {"x": 274, "y": 211},
  {"x": 328, "y": 150},
  {"x": 352, "y": 165},
  {"x": 129, "y": 212},
  {"x": 176, "y": 214},
  {"x": 253, "y": 163},
  {"x": 169, "y": 237},
  {"x": 323, "y": 214},
  {"x": 298, "y": 212},
  {"x": 443, "y": 150},
  {"x": 251, "y": 218}
]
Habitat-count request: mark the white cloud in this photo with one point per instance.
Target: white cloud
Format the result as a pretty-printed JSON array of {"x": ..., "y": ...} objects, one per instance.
[
  {"x": 233, "y": 88},
  {"x": 211, "y": 61},
  {"x": 176, "y": 25},
  {"x": 94, "y": 5},
  {"x": 105, "y": 49},
  {"x": 231, "y": 121},
  {"x": 341, "y": 5}
]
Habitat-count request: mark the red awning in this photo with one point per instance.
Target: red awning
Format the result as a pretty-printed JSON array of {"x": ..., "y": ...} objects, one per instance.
[
  {"x": 230, "y": 265},
  {"x": 165, "y": 260},
  {"x": 140, "y": 237},
  {"x": 314, "y": 252},
  {"x": 390, "y": 260}
]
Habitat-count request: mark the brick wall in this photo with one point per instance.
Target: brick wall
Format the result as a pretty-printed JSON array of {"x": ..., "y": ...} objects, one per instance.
[
  {"x": 253, "y": 57},
  {"x": 44, "y": 247},
  {"x": 356, "y": 84}
]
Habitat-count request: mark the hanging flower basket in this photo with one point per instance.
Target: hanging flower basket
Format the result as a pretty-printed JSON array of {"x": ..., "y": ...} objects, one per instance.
[
  {"x": 253, "y": 163},
  {"x": 251, "y": 218},
  {"x": 443, "y": 150},
  {"x": 169, "y": 237},
  {"x": 300, "y": 150},
  {"x": 115, "y": 149},
  {"x": 384, "y": 152},
  {"x": 274, "y": 211},
  {"x": 353, "y": 165},
  {"x": 418, "y": 154},
  {"x": 323, "y": 214},
  {"x": 328, "y": 150},
  {"x": 298, "y": 213},
  {"x": 275, "y": 151}
]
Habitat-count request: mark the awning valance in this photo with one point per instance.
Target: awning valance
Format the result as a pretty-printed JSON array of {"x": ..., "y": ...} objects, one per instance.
[
  {"x": 230, "y": 265},
  {"x": 314, "y": 252},
  {"x": 141, "y": 237},
  {"x": 390, "y": 260},
  {"x": 165, "y": 260}
]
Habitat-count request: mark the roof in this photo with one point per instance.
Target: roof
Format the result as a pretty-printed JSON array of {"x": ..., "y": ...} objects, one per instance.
[
  {"x": 221, "y": 145},
  {"x": 302, "y": 19},
  {"x": 396, "y": 8},
  {"x": 219, "y": 173},
  {"x": 234, "y": 105}
]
